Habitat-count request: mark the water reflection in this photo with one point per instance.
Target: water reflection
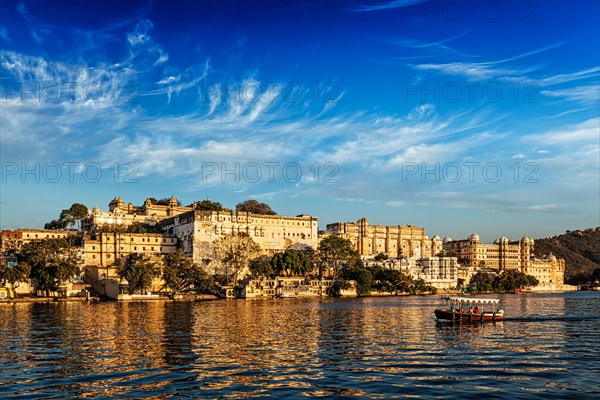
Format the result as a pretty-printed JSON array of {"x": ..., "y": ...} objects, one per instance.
[{"x": 368, "y": 347}]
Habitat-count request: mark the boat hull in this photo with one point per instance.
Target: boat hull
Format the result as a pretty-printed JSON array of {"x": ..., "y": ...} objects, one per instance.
[{"x": 467, "y": 317}]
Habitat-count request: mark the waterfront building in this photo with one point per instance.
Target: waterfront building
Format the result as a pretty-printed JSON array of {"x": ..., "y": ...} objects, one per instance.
[
  {"x": 104, "y": 248},
  {"x": 550, "y": 271},
  {"x": 394, "y": 241},
  {"x": 439, "y": 272},
  {"x": 122, "y": 215},
  {"x": 505, "y": 254},
  {"x": 291, "y": 287},
  {"x": 197, "y": 230},
  {"x": 16, "y": 239}
]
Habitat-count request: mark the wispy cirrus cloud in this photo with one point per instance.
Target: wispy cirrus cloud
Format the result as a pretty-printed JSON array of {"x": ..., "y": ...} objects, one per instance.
[{"x": 387, "y": 5}]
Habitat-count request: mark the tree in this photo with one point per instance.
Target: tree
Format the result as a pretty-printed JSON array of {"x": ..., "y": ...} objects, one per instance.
[
  {"x": 420, "y": 286},
  {"x": 390, "y": 280},
  {"x": 233, "y": 253},
  {"x": 69, "y": 217},
  {"x": 140, "y": 227},
  {"x": 509, "y": 280},
  {"x": 180, "y": 273},
  {"x": 51, "y": 261},
  {"x": 254, "y": 207},
  {"x": 139, "y": 271},
  {"x": 381, "y": 257},
  {"x": 208, "y": 205},
  {"x": 165, "y": 201},
  {"x": 55, "y": 225},
  {"x": 362, "y": 276},
  {"x": 482, "y": 282},
  {"x": 261, "y": 267},
  {"x": 334, "y": 253},
  {"x": 291, "y": 262},
  {"x": 13, "y": 272},
  {"x": 595, "y": 275}
]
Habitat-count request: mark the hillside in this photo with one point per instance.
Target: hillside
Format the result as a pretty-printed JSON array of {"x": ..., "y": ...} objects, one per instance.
[{"x": 580, "y": 249}]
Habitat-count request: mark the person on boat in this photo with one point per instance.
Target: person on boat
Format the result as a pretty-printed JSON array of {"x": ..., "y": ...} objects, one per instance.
[
  {"x": 453, "y": 309},
  {"x": 476, "y": 310}
]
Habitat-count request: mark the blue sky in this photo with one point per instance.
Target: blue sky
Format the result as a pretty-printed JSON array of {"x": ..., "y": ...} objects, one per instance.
[{"x": 482, "y": 116}]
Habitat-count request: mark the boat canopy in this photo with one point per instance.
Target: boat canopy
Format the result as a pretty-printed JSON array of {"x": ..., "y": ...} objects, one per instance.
[{"x": 472, "y": 300}]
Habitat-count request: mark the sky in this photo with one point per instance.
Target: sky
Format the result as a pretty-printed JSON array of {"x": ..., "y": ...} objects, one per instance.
[{"x": 454, "y": 116}]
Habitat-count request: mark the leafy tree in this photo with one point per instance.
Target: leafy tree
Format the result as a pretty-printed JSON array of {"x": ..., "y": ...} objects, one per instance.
[
  {"x": 362, "y": 276},
  {"x": 254, "y": 207},
  {"x": 165, "y": 201},
  {"x": 335, "y": 290},
  {"x": 139, "y": 271},
  {"x": 509, "y": 280},
  {"x": 381, "y": 257},
  {"x": 390, "y": 280},
  {"x": 233, "y": 253},
  {"x": 595, "y": 275},
  {"x": 291, "y": 262},
  {"x": 482, "y": 282},
  {"x": 209, "y": 205},
  {"x": 334, "y": 253},
  {"x": 69, "y": 217},
  {"x": 51, "y": 261},
  {"x": 55, "y": 224},
  {"x": 420, "y": 286},
  {"x": 139, "y": 227},
  {"x": 13, "y": 272},
  {"x": 180, "y": 273},
  {"x": 531, "y": 280},
  {"x": 261, "y": 267}
]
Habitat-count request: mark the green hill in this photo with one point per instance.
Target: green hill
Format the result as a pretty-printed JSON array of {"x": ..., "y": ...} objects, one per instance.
[{"x": 580, "y": 249}]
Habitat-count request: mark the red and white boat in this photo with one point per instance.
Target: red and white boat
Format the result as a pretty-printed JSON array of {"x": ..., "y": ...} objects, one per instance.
[{"x": 468, "y": 309}]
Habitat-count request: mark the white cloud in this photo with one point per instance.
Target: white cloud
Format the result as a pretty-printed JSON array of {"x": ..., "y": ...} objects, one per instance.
[{"x": 388, "y": 5}]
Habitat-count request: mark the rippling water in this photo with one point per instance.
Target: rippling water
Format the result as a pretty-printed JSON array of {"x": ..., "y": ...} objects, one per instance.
[{"x": 549, "y": 347}]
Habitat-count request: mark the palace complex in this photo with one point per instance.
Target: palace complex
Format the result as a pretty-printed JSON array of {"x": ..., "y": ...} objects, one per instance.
[{"x": 108, "y": 236}]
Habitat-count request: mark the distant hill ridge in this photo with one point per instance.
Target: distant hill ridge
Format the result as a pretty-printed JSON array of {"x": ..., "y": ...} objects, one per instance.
[{"x": 580, "y": 249}]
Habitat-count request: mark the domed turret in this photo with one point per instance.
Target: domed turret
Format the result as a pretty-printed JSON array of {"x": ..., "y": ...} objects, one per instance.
[
  {"x": 525, "y": 240},
  {"x": 436, "y": 238},
  {"x": 474, "y": 237},
  {"x": 447, "y": 239},
  {"x": 552, "y": 258}
]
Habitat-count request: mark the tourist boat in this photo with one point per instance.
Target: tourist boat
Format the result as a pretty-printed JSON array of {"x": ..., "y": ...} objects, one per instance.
[
  {"x": 520, "y": 290},
  {"x": 467, "y": 309}
]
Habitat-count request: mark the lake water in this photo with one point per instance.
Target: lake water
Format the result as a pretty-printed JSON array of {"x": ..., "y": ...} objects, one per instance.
[{"x": 549, "y": 347}]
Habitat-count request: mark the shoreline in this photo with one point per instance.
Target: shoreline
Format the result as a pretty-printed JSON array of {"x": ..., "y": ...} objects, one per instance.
[{"x": 198, "y": 298}]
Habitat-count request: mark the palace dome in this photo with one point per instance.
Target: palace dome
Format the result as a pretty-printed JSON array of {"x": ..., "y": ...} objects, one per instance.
[{"x": 474, "y": 236}]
